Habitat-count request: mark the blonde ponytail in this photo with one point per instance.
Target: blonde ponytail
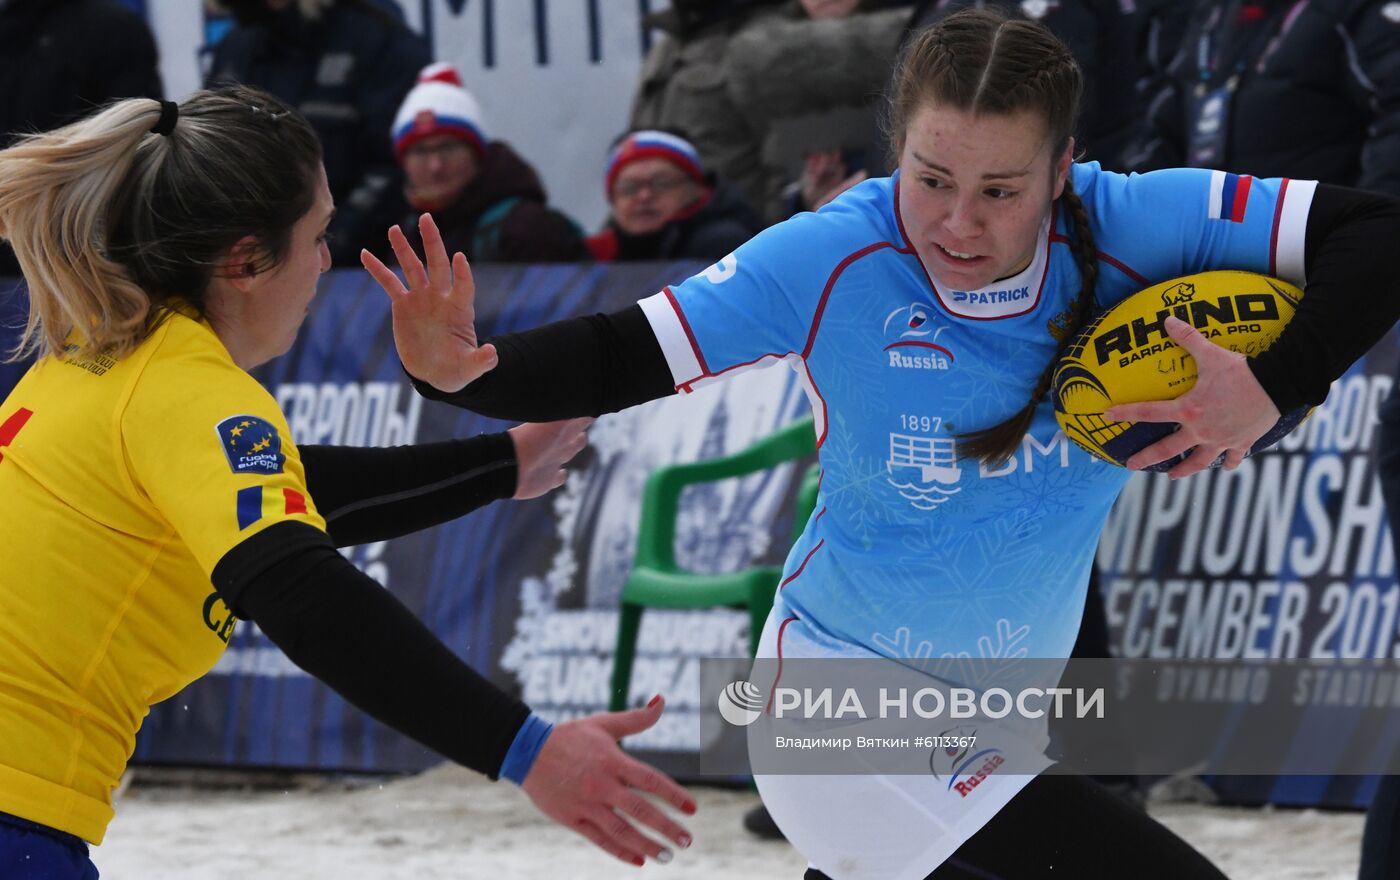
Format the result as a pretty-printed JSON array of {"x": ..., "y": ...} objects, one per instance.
[
  {"x": 110, "y": 221},
  {"x": 54, "y": 191}
]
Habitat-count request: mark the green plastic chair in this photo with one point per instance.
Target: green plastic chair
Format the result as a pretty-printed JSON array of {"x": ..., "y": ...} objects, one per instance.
[{"x": 657, "y": 581}]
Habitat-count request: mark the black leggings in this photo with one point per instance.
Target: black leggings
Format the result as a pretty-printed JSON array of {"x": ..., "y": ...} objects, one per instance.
[{"x": 1062, "y": 827}]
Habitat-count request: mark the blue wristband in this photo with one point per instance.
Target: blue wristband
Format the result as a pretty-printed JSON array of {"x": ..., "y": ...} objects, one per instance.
[{"x": 520, "y": 757}]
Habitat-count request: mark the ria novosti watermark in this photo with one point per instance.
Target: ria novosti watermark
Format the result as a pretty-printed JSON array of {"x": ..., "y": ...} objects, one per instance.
[
  {"x": 956, "y": 716},
  {"x": 741, "y": 703}
]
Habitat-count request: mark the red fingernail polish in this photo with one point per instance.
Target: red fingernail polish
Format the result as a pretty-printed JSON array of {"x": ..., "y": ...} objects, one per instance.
[
  {"x": 654, "y": 700},
  {"x": 690, "y": 808},
  {"x": 638, "y": 861}
]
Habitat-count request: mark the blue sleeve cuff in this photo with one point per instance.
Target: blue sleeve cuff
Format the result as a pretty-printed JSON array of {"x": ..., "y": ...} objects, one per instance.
[{"x": 520, "y": 757}]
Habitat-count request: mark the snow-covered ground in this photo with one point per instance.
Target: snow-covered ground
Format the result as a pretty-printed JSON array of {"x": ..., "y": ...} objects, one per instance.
[{"x": 450, "y": 823}]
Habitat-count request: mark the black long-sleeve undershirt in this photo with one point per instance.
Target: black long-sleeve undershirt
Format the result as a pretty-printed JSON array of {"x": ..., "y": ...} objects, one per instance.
[
  {"x": 577, "y": 367},
  {"x": 370, "y": 494},
  {"x": 1351, "y": 299},
  {"x": 345, "y": 629},
  {"x": 603, "y": 363}
]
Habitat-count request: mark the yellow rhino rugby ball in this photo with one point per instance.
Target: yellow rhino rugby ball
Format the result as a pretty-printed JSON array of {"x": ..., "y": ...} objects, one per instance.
[{"x": 1126, "y": 356}]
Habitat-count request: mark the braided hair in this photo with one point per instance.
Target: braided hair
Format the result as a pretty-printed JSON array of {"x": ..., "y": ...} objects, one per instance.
[
  {"x": 997, "y": 443},
  {"x": 982, "y": 62}
]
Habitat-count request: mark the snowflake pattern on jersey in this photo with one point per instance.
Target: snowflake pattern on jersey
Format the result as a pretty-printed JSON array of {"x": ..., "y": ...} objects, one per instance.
[
  {"x": 913, "y": 535},
  {"x": 990, "y": 667}
]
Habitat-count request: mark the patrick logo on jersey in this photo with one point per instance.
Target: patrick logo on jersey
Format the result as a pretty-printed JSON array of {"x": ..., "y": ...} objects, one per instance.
[
  {"x": 913, "y": 340},
  {"x": 991, "y": 303}
]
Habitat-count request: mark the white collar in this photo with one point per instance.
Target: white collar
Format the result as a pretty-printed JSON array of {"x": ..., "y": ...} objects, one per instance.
[{"x": 1006, "y": 298}]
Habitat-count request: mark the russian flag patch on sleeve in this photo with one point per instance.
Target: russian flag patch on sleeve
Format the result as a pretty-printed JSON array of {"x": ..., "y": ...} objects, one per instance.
[{"x": 1229, "y": 196}]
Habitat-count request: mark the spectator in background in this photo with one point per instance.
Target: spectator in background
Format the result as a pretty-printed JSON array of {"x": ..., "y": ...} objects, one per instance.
[
  {"x": 811, "y": 80},
  {"x": 664, "y": 206},
  {"x": 486, "y": 199},
  {"x": 345, "y": 65},
  {"x": 1160, "y": 28},
  {"x": 1106, "y": 37},
  {"x": 62, "y": 59},
  {"x": 683, "y": 87},
  {"x": 1279, "y": 88}
]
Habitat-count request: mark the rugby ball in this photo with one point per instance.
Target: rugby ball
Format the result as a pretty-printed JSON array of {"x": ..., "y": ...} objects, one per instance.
[{"x": 1126, "y": 356}]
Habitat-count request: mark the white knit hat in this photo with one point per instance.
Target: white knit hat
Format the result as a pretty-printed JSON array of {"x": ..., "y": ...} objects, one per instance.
[{"x": 439, "y": 104}]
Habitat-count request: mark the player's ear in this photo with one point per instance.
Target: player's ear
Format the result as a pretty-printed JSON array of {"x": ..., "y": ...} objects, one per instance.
[{"x": 240, "y": 264}]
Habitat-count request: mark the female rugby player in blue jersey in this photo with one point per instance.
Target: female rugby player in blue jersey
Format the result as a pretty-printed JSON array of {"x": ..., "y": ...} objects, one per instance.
[
  {"x": 147, "y": 478},
  {"x": 923, "y": 313}
]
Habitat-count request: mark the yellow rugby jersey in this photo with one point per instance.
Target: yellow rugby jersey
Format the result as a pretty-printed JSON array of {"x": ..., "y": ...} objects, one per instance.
[{"x": 122, "y": 484}]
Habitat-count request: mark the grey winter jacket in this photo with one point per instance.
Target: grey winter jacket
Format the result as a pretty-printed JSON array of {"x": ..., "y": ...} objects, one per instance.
[
  {"x": 808, "y": 85},
  {"x": 733, "y": 87}
]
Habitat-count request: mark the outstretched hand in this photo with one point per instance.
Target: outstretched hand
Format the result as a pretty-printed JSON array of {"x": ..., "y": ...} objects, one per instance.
[
  {"x": 435, "y": 315},
  {"x": 542, "y": 450},
  {"x": 1225, "y": 412},
  {"x": 583, "y": 780}
]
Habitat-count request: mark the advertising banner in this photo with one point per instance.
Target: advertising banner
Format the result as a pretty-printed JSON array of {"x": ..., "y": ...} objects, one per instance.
[{"x": 1289, "y": 557}]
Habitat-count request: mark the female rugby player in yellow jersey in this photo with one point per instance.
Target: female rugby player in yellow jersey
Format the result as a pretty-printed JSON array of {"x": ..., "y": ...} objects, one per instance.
[{"x": 145, "y": 475}]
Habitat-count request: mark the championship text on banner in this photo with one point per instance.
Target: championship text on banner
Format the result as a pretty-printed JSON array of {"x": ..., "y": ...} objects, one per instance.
[{"x": 1288, "y": 557}]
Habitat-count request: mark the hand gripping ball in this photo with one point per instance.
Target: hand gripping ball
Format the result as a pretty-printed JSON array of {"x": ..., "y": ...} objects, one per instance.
[{"x": 1126, "y": 356}]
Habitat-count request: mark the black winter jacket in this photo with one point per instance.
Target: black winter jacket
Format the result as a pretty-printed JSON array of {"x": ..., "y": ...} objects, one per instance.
[
  {"x": 347, "y": 73},
  {"x": 1318, "y": 92},
  {"x": 62, "y": 59}
]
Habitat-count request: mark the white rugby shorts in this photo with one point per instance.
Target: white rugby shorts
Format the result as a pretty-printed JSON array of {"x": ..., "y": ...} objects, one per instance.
[{"x": 875, "y": 826}]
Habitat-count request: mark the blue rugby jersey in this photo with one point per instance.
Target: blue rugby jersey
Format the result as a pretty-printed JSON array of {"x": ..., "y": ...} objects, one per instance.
[{"x": 912, "y": 551}]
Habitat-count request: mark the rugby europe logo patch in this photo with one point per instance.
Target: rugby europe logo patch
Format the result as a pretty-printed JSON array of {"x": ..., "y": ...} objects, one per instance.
[{"x": 252, "y": 445}]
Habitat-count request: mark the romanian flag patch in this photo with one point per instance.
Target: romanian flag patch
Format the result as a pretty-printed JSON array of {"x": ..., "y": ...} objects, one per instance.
[{"x": 250, "y": 504}]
